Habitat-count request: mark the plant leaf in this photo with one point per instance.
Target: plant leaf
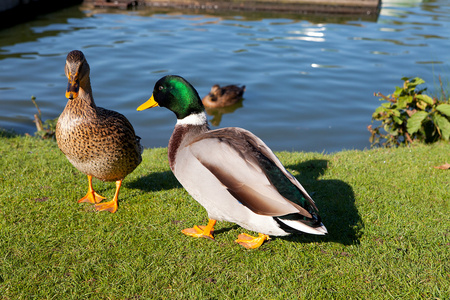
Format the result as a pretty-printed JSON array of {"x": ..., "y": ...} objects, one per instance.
[
  {"x": 411, "y": 112},
  {"x": 415, "y": 122},
  {"x": 404, "y": 101},
  {"x": 397, "y": 120},
  {"x": 397, "y": 92},
  {"x": 425, "y": 98},
  {"x": 395, "y": 112},
  {"x": 421, "y": 105},
  {"x": 444, "y": 109},
  {"x": 444, "y": 126},
  {"x": 415, "y": 81}
]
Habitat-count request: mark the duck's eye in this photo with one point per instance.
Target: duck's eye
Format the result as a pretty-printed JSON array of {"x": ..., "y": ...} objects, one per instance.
[{"x": 160, "y": 87}]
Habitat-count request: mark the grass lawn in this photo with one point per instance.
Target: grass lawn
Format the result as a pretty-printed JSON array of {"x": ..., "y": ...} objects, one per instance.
[{"x": 387, "y": 212}]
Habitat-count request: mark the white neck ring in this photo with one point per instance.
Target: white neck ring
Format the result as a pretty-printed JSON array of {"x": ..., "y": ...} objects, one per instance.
[{"x": 193, "y": 119}]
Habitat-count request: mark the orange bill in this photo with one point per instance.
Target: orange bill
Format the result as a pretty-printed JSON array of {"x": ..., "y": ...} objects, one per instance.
[{"x": 72, "y": 88}]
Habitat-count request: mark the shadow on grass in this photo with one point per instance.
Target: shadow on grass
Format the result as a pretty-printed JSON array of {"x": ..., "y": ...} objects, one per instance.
[
  {"x": 7, "y": 133},
  {"x": 232, "y": 226},
  {"x": 336, "y": 202},
  {"x": 334, "y": 198},
  {"x": 155, "y": 181}
]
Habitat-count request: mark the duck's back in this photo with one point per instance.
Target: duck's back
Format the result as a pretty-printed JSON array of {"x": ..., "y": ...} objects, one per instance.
[{"x": 98, "y": 142}]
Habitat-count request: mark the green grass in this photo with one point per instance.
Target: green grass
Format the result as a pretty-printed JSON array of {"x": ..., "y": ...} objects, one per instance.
[{"x": 387, "y": 212}]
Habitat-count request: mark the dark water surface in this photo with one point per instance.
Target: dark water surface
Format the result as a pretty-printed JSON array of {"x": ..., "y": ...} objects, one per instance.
[{"x": 310, "y": 81}]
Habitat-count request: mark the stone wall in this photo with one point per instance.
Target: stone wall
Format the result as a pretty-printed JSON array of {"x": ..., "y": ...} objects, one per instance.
[{"x": 296, "y": 6}]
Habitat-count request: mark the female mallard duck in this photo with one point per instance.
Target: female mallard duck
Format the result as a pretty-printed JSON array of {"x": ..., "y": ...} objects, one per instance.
[
  {"x": 231, "y": 172},
  {"x": 100, "y": 143},
  {"x": 223, "y": 96}
]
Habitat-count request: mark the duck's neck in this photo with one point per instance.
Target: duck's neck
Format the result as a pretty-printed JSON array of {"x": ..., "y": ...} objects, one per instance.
[
  {"x": 85, "y": 94},
  {"x": 185, "y": 131},
  {"x": 194, "y": 119},
  {"x": 84, "y": 103}
]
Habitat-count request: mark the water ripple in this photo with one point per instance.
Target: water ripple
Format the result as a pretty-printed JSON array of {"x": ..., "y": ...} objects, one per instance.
[{"x": 310, "y": 83}]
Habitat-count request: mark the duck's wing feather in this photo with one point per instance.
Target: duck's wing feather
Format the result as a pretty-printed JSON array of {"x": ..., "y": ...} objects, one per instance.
[
  {"x": 252, "y": 173},
  {"x": 232, "y": 91}
]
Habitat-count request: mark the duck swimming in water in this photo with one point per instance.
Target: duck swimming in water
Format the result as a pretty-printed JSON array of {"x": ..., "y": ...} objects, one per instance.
[{"x": 223, "y": 96}]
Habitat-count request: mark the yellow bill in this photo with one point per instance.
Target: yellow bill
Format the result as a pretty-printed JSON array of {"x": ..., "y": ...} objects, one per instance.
[{"x": 149, "y": 104}]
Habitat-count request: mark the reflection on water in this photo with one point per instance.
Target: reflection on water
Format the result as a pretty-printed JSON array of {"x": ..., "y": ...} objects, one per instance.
[
  {"x": 310, "y": 79},
  {"x": 34, "y": 31},
  {"x": 217, "y": 113}
]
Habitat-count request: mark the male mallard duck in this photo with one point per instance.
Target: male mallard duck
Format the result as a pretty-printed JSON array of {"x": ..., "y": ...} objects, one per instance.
[
  {"x": 100, "y": 143},
  {"x": 231, "y": 172},
  {"x": 223, "y": 96}
]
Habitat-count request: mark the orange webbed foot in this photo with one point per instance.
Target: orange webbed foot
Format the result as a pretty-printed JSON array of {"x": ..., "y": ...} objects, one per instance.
[
  {"x": 201, "y": 231},
  {"x": 198, "y": 231},
  {"x": 251, "y": 242},
  {"x": 92, "y": 197},
  {"x": 110, "y": 206}
]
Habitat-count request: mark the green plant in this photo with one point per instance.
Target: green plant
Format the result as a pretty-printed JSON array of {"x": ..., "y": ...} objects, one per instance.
[
  {"x": 409, "y": 115},
  {"x": 47, "y": 129}
]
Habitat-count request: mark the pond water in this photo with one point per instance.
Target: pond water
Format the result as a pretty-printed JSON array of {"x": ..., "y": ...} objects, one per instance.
[{"x": 310, "y": 80}]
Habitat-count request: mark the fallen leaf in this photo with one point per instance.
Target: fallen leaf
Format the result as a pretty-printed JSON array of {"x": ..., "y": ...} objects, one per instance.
[{"x": 445, "y": 166}]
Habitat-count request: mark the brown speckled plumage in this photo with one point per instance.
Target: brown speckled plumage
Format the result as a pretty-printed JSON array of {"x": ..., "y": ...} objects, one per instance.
[
  {"x": 223, "y": 96},
  {"x": 98, "y": 142}
]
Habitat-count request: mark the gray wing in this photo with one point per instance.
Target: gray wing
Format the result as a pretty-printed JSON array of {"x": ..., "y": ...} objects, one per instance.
[{"x": 251, "y": 172}]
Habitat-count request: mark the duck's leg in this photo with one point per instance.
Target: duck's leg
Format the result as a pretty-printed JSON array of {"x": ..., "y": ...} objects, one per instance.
[
  {"x": 251, "y": 242},
  {"x": 91, "y": 196},
  {"x": 110, "y": 206},
  {"x": 201, "y": 231}
]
